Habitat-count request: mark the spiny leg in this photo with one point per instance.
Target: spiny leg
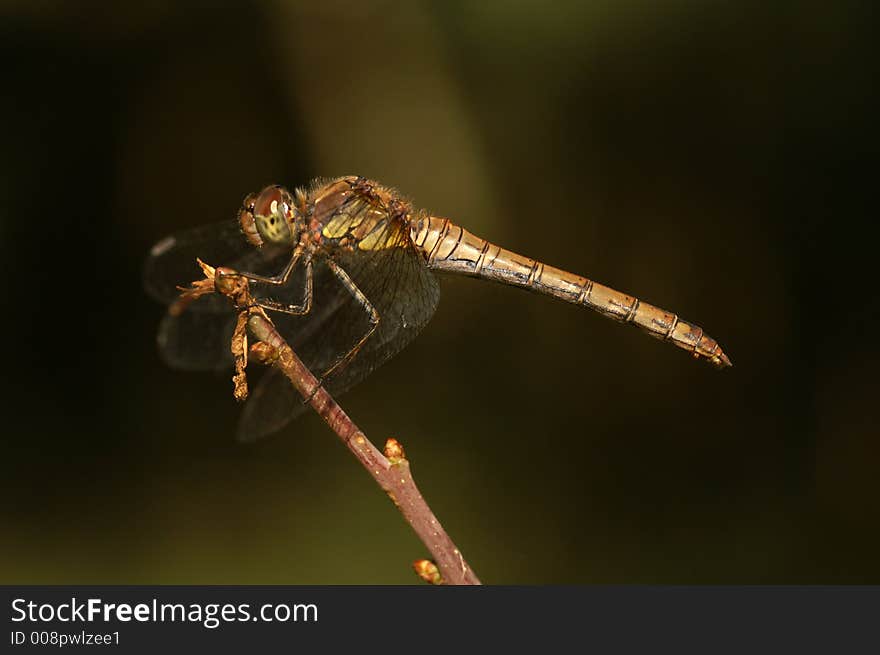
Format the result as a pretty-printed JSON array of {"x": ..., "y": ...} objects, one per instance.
[
  {"x": 281, "y": 279},
  {"x": 296, "y": 310},
  {"x": 362, "y": 300}
]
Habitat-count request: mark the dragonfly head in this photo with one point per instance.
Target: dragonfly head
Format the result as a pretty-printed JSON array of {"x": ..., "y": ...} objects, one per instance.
[{"x": 270, "y": 217}]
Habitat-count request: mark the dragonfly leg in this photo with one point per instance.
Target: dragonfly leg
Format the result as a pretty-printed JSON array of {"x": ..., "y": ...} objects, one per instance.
[
  {"x": 362, "y": 300},
  {"x": 296, "y": 310},
  {"x": 279, "y": 279}
]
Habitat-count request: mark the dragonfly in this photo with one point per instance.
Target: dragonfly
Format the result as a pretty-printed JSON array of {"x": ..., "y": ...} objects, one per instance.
[{"x": 347, "y": 269}]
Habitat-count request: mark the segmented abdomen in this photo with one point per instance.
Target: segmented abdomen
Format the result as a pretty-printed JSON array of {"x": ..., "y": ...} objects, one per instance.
[{"x": 448, "y": 247}]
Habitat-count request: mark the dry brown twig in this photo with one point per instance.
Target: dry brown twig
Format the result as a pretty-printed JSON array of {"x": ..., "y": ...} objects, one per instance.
[{"x": 390, "y": 470}]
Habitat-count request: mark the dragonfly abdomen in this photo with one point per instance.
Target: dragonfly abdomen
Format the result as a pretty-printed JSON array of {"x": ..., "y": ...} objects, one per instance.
[{"x": 449, "y": 247}]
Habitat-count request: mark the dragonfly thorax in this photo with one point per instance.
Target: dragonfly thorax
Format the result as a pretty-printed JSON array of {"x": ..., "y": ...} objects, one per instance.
[{"x": 270, "y": 217}]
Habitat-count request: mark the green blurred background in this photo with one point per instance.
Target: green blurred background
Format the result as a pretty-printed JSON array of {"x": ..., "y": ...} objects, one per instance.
[{"x": 716, "y": 159}]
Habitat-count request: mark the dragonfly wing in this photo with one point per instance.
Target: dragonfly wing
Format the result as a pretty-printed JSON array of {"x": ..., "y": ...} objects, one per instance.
[
  {"x": 199, "y": 339},
  {"x": 172, "y": 261},
  {"x": 405, "y": 294},
  {"x": 394, "y": 278},
  {"x": 399, "y": 286},
  {"x": 272, "y": 404}
]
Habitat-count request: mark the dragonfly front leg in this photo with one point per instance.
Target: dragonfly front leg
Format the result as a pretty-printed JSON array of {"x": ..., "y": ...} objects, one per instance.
[
  {"x": 296, "y": 310},
  {"x": 367, "y": 306},
  {"x": 281, "y": 279}
]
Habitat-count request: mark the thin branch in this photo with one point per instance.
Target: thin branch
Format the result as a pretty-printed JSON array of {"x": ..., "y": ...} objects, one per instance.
[{"x": 390, "y": 470}]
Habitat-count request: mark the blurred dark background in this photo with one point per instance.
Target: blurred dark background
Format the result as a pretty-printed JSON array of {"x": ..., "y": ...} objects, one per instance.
[{"x": 716, "y": 159}]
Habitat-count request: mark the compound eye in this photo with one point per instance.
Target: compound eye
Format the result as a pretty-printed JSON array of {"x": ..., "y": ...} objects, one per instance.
[
  {"x": 272, "y": 215},
  {"x": 265, "y": 202}
]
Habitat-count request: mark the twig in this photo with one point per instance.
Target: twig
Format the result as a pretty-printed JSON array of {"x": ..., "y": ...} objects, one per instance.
[{"x": 391, "y": 470}]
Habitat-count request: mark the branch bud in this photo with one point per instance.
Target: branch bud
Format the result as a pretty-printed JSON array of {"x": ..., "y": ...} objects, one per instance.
[
  {"x": 427, "y": 571},
  {"x": 394, "y": 451}
]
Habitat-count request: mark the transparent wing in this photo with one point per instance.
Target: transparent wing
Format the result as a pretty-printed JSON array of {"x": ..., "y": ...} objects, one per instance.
[
  {"x": 271, "y": 405},
  {"x": 396, "y": 282},
  {"x": 198, "y": 339},
  {"x": 172, "y": 261},
  {"x": 394, "y": 279}
]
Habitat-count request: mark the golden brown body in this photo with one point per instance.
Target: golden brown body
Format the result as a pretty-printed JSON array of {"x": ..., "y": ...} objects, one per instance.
[
  {"x": 356, "y": 213},
  {"x": 449, "y": 247},
  {"x": 347, "y": 267}
]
